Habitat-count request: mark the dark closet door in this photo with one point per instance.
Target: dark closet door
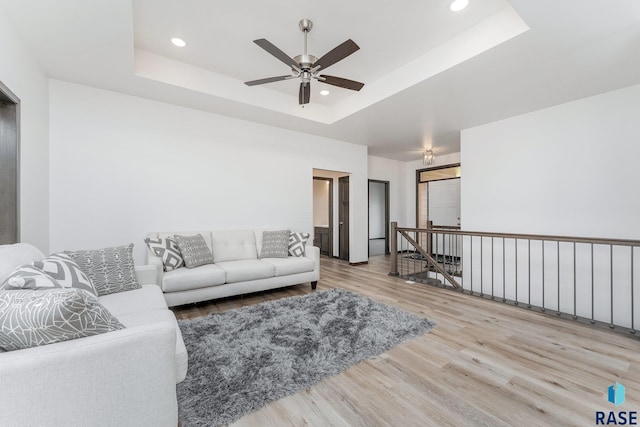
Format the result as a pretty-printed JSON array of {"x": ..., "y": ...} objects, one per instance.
[{"x": 343, "y": 215}]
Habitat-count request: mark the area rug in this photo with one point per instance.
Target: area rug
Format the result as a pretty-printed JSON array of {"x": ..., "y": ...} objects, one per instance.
[{"x": 243, "y": 359}]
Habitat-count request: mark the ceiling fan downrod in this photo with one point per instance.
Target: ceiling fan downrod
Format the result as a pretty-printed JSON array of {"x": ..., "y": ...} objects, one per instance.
[{"x": 305, "y": 61}]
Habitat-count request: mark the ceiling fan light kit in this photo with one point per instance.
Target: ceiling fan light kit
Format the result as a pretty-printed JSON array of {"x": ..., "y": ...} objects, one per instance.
[{"x": 307, "y": 67}]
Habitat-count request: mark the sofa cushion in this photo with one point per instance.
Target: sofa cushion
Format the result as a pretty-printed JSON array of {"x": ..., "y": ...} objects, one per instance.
[
  {"x": 184, "y": 279},
  {"x": 233, "y": 245},
  {"x": 167, "y": 250},
  {"x": 275, "y": 244},
  {"x": 31, "y": 318},
  {"x": 291, "y": 265},
  {"x": 148, "y": 297},
  {"x": 15, "y": 255},
  {"x": 66, "y": 271},
  {"x": 109, "y": 269},
  {"x": 297, "y": 243},
  {"x": 146, "y": 317},
  {"x": 244, "y": 270},
  {"x": 194, "y": 250}
]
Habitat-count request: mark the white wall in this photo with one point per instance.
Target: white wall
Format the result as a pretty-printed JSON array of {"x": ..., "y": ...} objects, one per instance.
[
  {"x": 22, "y": 74},
  {"x": 122, "y": 166},
  {"x": 568, "y": 170},
  {"x": 571, "y": 169}
]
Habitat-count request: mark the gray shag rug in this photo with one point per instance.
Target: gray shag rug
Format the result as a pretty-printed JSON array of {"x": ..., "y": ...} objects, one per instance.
[{"x": 243, "y": 359}]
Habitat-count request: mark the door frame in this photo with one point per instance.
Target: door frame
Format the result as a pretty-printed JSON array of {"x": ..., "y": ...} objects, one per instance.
[
  {"x": 344, "y": 244},
  {"x": 418, "y": 182},
  {"x": 8, "y": 97},
  {"x": 386, "y": 214}
]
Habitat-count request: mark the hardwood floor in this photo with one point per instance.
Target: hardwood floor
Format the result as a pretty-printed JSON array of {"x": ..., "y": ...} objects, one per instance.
[{"x": 484, "y": 364}]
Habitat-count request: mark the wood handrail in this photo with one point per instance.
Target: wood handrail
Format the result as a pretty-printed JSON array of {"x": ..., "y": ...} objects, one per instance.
[{"x": 594, "y": 240}]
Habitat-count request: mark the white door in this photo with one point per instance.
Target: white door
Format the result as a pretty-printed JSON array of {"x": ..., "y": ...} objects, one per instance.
[
  {"x": 444, "y": 210},
  {"x": 444, "y": 202}
]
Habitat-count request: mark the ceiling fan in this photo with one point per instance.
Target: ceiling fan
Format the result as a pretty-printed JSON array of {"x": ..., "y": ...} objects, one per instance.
[{"x": 307, "y": 67}]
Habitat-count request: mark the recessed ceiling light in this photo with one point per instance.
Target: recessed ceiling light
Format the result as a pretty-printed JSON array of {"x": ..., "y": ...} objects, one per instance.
[
  {"x": 178, "y": 42},
  {"x": 324, "y": 92},
  {"x": 458, "y": 5}
]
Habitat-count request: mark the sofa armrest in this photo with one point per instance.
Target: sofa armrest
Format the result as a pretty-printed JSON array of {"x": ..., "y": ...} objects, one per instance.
[
  {"x": 118, "y": 378},
  {"x": 313, "y": 252},
  {"x": 147, "y": 274},
  {"x": 156, "y": 261}
]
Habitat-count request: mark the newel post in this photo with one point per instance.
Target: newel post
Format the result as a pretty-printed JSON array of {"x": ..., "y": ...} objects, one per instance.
[
  {"x": 429, "y": 238},
  {"x": 393, "y": 243}
]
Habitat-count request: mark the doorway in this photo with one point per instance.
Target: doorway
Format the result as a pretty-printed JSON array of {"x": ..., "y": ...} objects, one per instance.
[
  {"x": 378, "y": 217},
  {"x": 343, "y": 217},
  {"x": 438, "y": 206},
  {"x": 323, "y": 214},
  {"x": 438, "y": 197},
  {"x": 9, "y": 161},
  {"x": 331, "y": 212}
]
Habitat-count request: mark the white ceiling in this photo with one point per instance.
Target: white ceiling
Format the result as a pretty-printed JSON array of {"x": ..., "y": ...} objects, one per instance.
[{"x": 428, "y": 72}]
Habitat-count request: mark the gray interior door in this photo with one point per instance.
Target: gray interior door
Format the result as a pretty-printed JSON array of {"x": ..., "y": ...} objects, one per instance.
[{"x": 8, "y": 170}]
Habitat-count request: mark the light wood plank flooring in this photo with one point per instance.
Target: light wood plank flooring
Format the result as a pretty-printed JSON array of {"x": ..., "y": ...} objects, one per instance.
[{"x": 485, "y": 363}]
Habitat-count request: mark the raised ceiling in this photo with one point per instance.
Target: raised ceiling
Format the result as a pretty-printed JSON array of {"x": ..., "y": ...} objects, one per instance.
[
  {"x": 219, "y": 40},
  {"x": 428, "y": 72}
]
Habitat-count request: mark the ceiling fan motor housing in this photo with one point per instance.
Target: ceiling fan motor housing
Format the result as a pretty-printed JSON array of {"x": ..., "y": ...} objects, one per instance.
[
  {"x": 305, "y": 61},
  {"x": 305, "y": 25}
]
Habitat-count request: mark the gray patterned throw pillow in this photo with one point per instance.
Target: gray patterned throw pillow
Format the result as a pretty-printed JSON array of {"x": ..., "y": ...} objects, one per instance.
[
  {"x": 297, "y": 241},
  {"x": 66, "y": 272},
  {"x": 29, "y": 277},
  {"x": 167, "y": 250},
  {"x": 275, "y": 244},
  {"x": 110, "y": 270},
  {"x": 194, "y": 250},
  {"x": 32, "y": 318}
]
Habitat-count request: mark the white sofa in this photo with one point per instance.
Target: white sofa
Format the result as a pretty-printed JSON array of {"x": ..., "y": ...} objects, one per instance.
[
  {"x": 237, "y": 268},
  {"x": 122, "y": 378}
]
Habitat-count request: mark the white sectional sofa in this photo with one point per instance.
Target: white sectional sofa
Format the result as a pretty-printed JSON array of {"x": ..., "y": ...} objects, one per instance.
[
  {"x": 121, "y": 378},
  {"x": 237, "y": 268}
]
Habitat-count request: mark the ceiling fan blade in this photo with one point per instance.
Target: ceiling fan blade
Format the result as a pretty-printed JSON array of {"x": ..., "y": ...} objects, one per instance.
[
  {"x": 340, "y": 82},
  {"x": 273, "y": 50},
  {"x": 268, "y": 80},
  {"x": 336, "y": 54},
  {"x": 305, "y": 93}
]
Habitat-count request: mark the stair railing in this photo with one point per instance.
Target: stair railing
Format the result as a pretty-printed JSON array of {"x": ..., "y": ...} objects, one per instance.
[{"x": 586, "y": 279}]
